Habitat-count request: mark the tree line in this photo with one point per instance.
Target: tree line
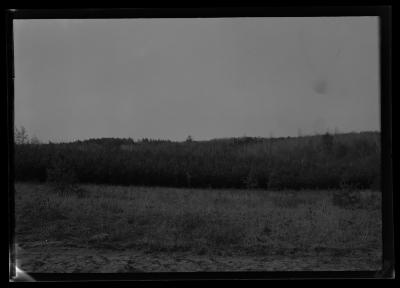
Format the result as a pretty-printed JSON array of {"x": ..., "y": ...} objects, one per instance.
[{"x": 310, "y": 162}]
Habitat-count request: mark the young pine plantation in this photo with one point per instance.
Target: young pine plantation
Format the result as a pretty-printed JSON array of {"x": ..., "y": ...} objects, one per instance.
[{"x": 305, "y": 203}]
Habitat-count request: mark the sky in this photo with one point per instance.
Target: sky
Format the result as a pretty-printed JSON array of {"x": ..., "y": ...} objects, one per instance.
[{"x": 77, "y": 79}]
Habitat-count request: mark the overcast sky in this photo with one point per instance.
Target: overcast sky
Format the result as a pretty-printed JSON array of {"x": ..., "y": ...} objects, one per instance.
[{"x": 209, "y": 78}]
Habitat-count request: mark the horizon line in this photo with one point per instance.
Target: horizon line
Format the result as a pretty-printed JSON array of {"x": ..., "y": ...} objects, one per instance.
[{"x": 193, "y": 139}]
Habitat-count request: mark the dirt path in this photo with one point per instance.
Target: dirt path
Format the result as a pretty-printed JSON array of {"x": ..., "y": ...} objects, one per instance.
[{"x": 53, "y": 257}]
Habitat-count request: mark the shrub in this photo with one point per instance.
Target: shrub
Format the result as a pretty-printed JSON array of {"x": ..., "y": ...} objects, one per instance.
[
  {"x": 346, "y": 198},
  {"x": 251, "y": 181},
  {"x": 48, "y": 209},
  {"x": 61, "y": 176},
  {"x": 372, "y": 201}
]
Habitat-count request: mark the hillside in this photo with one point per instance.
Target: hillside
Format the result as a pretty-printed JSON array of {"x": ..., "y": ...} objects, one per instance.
[{"x": 309, "y": 162}]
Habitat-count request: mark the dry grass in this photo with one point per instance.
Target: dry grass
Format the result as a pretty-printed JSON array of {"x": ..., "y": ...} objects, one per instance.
[{"x": 199, "y": 220}]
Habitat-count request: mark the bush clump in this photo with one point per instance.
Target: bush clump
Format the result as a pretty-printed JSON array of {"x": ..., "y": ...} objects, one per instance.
[
  {"x": 62, "y": 177},
  {"x": 346, "y": 198}
]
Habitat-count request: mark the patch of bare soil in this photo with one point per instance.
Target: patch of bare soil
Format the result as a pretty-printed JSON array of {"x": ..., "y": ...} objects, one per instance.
[{"x": 53, "y": 257}]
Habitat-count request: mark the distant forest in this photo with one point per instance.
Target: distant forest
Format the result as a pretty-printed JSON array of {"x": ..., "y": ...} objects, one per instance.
[{"x": 347, "y": 160}]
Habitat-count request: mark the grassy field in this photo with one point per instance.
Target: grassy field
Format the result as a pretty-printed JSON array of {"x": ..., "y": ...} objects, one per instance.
[{"x": 200, "y": 221}]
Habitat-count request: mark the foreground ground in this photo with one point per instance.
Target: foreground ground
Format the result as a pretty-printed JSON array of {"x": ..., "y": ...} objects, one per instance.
[
  {"x": 138, "y": 229},
  {"x": 55, "y": 257}
]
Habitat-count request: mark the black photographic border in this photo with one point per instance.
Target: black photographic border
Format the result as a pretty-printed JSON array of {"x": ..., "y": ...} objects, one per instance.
[{"x": 385, "y": 44}]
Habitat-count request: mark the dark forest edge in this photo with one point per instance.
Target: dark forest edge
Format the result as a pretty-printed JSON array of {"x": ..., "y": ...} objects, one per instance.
[{"x": 329, "y": 161}]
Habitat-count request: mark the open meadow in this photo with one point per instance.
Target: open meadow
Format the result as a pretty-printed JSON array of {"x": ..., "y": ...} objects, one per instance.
[{"x": 153, "y": 229}]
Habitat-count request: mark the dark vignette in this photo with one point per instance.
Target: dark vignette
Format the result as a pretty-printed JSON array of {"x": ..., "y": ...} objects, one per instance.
[{"x": 384, "y": 12}]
